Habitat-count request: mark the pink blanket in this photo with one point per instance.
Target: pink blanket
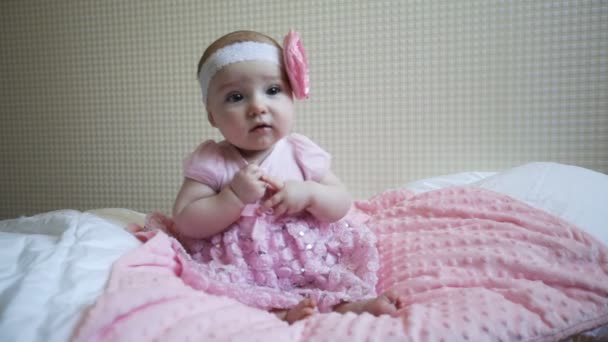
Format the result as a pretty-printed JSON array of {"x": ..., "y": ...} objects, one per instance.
[{"x": 470, "y": 264}]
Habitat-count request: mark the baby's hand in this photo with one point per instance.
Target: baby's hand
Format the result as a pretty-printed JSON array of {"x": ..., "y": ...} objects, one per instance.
[
  {"x": 248, "y": 185},
  {"x": 291, "y": 197}
]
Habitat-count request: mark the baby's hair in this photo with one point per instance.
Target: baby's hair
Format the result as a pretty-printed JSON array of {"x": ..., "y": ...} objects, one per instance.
[{"x": 235, "y": 37}]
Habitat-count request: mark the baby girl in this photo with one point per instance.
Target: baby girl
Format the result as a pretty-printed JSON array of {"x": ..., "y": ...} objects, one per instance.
[{"x": 262, "y": 207}]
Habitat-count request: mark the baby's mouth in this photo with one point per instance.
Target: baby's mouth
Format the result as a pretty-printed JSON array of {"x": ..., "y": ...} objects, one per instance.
[{"x": 260, "y": 127}]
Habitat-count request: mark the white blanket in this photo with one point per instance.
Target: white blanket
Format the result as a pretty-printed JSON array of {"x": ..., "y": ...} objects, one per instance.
[{"x": 53, "y": 266}]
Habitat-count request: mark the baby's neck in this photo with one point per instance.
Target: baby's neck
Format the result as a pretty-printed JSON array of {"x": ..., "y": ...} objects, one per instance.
[{"x": 254, "y": 157}]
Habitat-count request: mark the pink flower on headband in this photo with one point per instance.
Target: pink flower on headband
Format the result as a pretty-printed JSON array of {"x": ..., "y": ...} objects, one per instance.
[{"x": 296, "y": 65}]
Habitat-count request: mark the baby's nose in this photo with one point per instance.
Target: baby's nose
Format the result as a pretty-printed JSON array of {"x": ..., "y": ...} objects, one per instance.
[{"x": 257, "y": 106}]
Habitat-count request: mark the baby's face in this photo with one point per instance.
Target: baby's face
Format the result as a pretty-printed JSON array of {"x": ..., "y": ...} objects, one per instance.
[{"x": 251, "y": 104}]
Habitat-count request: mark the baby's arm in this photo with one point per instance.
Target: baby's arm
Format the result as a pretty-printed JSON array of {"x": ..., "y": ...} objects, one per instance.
[
  {"x": 328, "y": 200},
  {"x": 199, "y": 212}
]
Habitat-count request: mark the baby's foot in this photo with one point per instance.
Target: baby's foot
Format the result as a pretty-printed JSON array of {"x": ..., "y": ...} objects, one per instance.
[
  {"x": 304, "y": 309},
  {"x": 387, "y": 303}
]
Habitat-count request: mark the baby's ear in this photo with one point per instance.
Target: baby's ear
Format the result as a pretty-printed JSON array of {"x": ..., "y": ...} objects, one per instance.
[{"x": 210, "y": 118}]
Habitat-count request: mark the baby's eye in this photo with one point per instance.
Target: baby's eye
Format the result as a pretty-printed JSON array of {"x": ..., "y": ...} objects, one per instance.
[
  {"x": 234, "y": 97},
  {"x": 273, "y": 90}
]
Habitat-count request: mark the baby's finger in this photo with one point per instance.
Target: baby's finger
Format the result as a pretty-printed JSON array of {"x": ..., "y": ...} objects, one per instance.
[
  {"x": 272, "y": 201},
  {"x": 279, "y": 210},
  {"x": 252, "y": 169},
  {"x": 275, "y": 184},
  {"x": 257, "y": 175},
  {"x": 251, "y": 166}
]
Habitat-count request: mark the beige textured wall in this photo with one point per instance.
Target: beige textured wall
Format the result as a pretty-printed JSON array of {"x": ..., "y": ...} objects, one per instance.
[{"x": 99, "y": 102}]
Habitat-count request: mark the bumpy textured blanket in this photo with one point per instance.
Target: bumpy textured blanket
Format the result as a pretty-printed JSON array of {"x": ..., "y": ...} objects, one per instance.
[{"x": 470, "y": 265}]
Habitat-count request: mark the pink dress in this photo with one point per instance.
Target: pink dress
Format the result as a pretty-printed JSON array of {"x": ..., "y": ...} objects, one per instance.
[{"x": 280, "y": 260}]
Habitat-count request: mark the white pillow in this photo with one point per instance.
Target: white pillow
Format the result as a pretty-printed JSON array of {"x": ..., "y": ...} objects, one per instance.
[{"x": 578, "y": 195}]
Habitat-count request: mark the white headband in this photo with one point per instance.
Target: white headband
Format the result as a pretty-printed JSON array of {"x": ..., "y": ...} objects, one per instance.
[{"x": 237, "y": 52}]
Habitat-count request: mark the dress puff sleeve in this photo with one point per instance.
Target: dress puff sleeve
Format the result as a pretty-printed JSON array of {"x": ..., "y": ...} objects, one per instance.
[
  {"x": 205, "y": 165},
  {"x": 312, "y": 159}
]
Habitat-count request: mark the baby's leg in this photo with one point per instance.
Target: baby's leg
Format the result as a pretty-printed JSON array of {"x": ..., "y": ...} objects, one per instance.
[
  {"x": 305, "y": 308},
  {"x": 385, "y": 304}
]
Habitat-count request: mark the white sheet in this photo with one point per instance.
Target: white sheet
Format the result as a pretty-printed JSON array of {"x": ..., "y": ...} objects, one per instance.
[
  {"x": 56, "y": 264},
  {"x": 53, "y": 266}
]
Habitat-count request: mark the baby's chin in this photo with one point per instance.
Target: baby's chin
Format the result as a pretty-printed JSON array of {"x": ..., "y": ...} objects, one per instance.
[{"x": 265, "y": 141}]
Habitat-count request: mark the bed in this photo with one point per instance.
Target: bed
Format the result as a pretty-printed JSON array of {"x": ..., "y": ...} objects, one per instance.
[{"x": 65, "y": 275}]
